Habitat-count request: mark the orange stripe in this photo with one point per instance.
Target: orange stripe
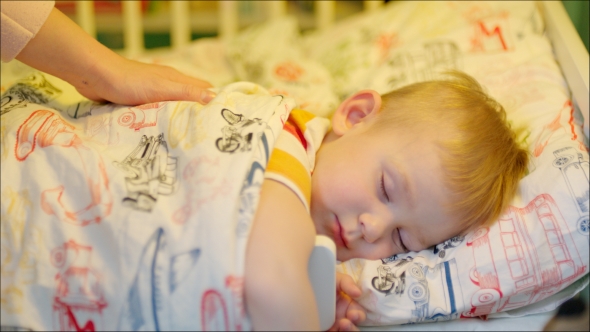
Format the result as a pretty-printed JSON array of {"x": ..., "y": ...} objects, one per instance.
[
  {"x": 288, "y": 166},
  {"x": 294, "y": 130},
  {"x": 300, "y": 118}
]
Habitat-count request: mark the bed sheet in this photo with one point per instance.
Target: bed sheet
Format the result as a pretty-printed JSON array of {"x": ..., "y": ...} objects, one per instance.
[
  {"x": 129, "y": 218},
  {"x": 524, "y": 323},
  {"x": 502, "y": 44},
  {"x": 520, "y": 260},
  {"x": 536, "y": 255}
]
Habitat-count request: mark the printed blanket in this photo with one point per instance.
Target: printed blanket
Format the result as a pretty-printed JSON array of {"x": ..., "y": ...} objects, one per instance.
[{"x": 134, "y": 218}]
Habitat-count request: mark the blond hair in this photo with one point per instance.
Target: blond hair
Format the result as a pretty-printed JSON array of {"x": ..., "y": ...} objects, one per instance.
[{"x": 480, "y": 155}]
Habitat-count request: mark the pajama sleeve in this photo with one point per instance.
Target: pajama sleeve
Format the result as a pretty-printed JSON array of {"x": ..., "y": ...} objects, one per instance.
[
  {"x": 293, "y": 157},
  {"x": 21, "y": 20}
]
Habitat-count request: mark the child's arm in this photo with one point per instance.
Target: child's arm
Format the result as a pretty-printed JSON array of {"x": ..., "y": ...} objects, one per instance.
[{"x": 279, "y": 295}]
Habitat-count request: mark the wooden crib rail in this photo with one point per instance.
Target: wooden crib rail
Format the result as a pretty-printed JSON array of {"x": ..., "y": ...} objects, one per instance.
[{"x": 180, "y": 25}]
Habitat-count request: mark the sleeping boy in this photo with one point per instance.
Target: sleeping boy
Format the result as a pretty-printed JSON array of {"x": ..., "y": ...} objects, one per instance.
[{"x": 394, "y": 173}]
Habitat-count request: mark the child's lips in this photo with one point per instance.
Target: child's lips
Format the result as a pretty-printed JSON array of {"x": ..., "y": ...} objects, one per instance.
[{"x": 338, "y": 234}]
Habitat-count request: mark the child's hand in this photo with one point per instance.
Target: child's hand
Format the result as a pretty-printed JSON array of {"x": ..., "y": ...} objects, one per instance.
[{"x": 348, "y": 312}]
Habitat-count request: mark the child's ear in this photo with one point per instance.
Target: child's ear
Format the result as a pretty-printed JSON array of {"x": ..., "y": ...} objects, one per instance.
[{"x": 357, "y": 108}]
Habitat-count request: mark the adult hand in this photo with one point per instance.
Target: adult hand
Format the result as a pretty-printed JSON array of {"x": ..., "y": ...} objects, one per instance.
[
  {"x": 130, "y": 82},
  {"x": 61, "y": 48},
  {"x": 349, "y": 313}
]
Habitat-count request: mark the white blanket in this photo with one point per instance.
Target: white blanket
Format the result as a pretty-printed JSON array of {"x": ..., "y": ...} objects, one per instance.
[{"x": 134, "y": 218}]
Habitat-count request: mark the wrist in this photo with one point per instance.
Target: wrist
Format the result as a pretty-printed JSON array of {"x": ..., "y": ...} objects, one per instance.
[{"x": 98, "y": 73}]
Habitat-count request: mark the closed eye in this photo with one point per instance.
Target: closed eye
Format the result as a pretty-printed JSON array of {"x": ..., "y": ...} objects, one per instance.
[
  {"x": 401, "y": 242},
  {"x": 403, "y": 246},
  {"x": 397, "y": 240},
  {"x": 383, "y": 188}
]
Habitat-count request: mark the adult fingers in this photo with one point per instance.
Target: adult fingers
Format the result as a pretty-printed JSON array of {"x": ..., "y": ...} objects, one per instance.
[
  {"x": 194, "y": 81},
  {"x": 187, "y": 92},
  {"x": 174, "y": 75}
]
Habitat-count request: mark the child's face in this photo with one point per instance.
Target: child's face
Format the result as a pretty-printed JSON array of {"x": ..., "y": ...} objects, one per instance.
[{"x": 379, "y": 194}]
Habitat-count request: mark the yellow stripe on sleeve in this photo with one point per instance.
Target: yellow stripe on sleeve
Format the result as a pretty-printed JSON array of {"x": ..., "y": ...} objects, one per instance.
[
  {"x": 300, "y": 118},
  {"x": 284, "y": 164}
]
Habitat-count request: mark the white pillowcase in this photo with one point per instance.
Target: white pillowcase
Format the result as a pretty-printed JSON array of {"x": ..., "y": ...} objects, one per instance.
[
  {"x": 271, "y": 55},
  {"x": 539, "y": 246}
]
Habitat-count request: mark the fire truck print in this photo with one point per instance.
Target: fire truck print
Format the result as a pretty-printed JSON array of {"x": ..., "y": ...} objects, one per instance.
[
  {"x": 489, "y": 36},
  {"x": 33, "y": 89},
  {"x": 147, "y": 306},
  {"x": 575, "y": 173},
  {"x": 43, "y": 129},
  {"x": 537, "y": 270},
  {"x": 434, "y": 293},
  {"x": 238, "y": 134},
  {"x": 388, "y": 281},
  {"x": 423, "y": 64},
  {"x": 442, "y": 248},
  {"x": 79, "y": 298},
  {"x": 141, "y": 116},
  {"x": 150, "y": 171},
  {"x": 564, "y": 121},
  {"x": 224, "y": 313}
]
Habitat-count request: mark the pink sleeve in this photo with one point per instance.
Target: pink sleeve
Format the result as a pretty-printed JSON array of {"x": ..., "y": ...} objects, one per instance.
[{"x": 21, "y": 20}]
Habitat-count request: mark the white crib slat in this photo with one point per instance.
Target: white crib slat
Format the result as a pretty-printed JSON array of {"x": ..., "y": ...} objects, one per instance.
[
  {"x": 180, "y": 30},
  {"x": 85, "y": 17},
  {"x": 571, "y": 54},
  {"x": 276, "y": 8},
  {"x": 370, "y": 5},
  {"x": 228, "y": 19},
  {"x": 132, "y": 28},
  {"x": 324, "y": 14}
]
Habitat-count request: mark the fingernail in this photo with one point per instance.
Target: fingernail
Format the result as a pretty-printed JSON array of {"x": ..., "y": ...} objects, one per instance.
[{"x": 207, "y": 96}]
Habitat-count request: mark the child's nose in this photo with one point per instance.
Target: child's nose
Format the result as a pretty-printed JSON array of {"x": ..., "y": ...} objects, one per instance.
[{"x": 372, "y": 227}]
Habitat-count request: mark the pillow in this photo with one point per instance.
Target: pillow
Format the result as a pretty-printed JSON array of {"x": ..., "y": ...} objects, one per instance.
[
  {"x": 353, "y": 48},
  {"x": 271, "y": 55},
  {"x": 536, "y": 255},
  {"x": 203, "y": 58}
]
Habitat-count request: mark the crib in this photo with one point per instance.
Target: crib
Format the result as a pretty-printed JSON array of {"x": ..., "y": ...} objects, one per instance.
[
  {"x": 569, "y": 49},
  {"x": 323, "y": 21}
]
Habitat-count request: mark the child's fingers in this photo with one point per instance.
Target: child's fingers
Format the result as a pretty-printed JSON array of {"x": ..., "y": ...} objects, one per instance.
[
  {"x": 346, "y": 325},
  {"x": 356, "y": 313},
  {"x": 344, "y": 283},
  {"x": 342, "y": 303},
  {"x": 343, "y": 325}
]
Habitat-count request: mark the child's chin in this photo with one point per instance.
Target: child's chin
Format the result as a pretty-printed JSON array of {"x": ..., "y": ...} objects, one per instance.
[{"x": 342, "y": 255}]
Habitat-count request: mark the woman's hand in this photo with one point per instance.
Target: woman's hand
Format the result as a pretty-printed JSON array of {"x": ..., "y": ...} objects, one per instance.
[
  {"x": 349, "y": 313},
  {"x": 130, "y": 82},
  {"x": 61, "y": 48}
]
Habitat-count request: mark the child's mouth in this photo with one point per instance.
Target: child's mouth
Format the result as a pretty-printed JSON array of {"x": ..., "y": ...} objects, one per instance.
[{"x": 338, "y": 236}]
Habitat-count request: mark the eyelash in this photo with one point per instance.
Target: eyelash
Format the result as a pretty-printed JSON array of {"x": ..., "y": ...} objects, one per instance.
[
  {"x": 401, "y": 242},
  {"x": 383, "y": 188}
]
